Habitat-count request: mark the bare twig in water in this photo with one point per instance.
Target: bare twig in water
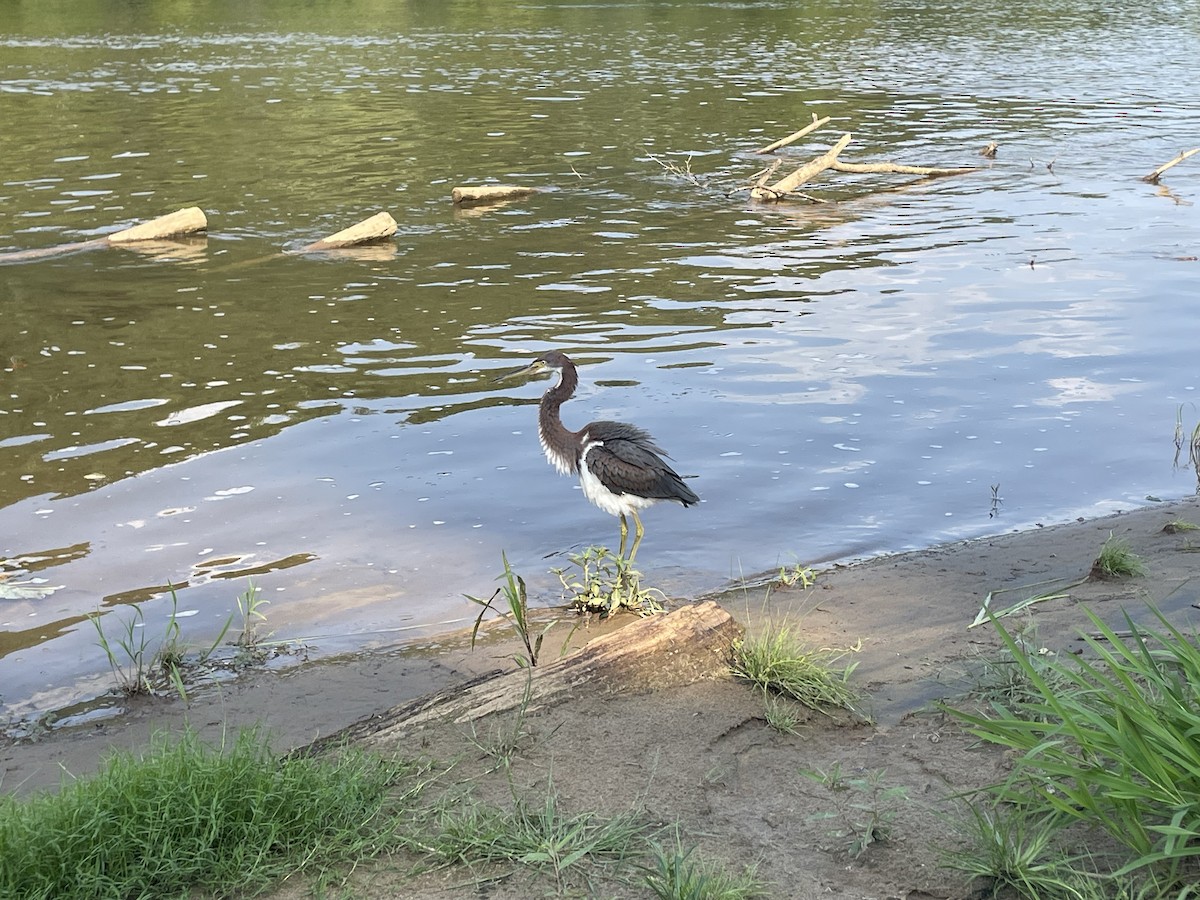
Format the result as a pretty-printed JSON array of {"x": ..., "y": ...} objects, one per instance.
[
  {"x": 684, "y": 172},
  {"x": 1153, "y": 177}
]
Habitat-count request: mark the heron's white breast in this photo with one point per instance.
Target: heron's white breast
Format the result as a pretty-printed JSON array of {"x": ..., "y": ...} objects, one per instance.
[{"x": 598, "y": 494}]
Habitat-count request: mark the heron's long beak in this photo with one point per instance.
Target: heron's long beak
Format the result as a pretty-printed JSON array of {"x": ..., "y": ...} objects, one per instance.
[{"x": 532, "y": 369}]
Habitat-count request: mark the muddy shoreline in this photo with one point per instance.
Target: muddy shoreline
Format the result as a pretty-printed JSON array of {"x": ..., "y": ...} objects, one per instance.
[{"x": 908, "y": 615}]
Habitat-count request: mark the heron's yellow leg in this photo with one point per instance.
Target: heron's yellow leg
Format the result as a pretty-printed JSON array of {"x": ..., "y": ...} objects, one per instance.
[
  {"x": 624, "y": 535},
  {"x": 637, "y": 537}
]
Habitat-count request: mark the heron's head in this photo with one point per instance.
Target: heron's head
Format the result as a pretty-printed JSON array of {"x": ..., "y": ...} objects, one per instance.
[{"x": 551, "y": 361}]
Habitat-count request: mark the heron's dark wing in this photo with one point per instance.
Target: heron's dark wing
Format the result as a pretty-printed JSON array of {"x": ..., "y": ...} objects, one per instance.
[{"x": 627, "y": 461}]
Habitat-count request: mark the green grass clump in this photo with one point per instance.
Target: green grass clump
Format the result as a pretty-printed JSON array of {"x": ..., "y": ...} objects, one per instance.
[
  {"x": 1178, "y": 526},
  {"x": 1108, "y": 745},
  {"x": 678, "y": 874},
  {"x": 1004, "y": 679},
  {"x": 539, "y": 836},
  {"x": 185, "y": 816},
  {"x": 1015, "y": 850},
  {"x": 782, "y": 714},
  {"x": 777, "y": 662},
  {"x": 1116, "y": 560}
]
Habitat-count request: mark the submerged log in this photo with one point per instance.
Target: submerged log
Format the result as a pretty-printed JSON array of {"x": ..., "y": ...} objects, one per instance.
[
  {"x": 687, "y": 645},
  {"x": 1153, "y": 177},
  {"x": 181, "y": 222},
  {"x": 794, "y": 136},
  {"x": 466, "y": 195},
  {"x": 377, "y": 228}
]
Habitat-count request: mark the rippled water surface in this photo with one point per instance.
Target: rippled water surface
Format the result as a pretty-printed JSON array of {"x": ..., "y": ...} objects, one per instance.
[{"x": 870, "y": 374}]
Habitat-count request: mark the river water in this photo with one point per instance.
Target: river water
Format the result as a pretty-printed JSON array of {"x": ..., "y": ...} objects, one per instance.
[{"x": 904, "y": 364}]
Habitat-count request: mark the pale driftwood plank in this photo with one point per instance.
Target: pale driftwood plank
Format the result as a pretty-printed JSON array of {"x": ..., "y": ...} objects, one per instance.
[
  {"x": 467, "y": 195},
  {"x": 183, "y": 221},
  {"x": 684, "y": 646},
  {"x": 377, "y": 228}
]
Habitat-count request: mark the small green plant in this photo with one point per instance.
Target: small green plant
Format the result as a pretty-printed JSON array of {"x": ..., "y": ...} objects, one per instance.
[
  {"x": 1116, "y": 560},
  {"x": 798, "y": 574},
  {"x": 776, "y": 662},
  {"x": 138, "y": 667},
  {"x": 605, "y": 583},
  {"x": 251, "y": 606},
  {"x": 1178, "y": 526},
  {"x": 127, "y": 653},
  {"x": 678, "y": 874},
  {"x": 518, "y": 614},
  {"x": 867, "y": 807}
]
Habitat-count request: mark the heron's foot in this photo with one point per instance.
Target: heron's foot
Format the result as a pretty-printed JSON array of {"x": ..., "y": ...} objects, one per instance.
[{"x": 629, "y": 581}]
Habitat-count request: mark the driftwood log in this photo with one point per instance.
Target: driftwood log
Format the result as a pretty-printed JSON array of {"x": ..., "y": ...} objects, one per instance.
[
  {"x": 181, "y": 222},
  {"x": 377, "y": 228},
  {"x": 468, "y": 195},
  {"x": 684, "y": 646},
  {"x": 1153, "y": 177}
]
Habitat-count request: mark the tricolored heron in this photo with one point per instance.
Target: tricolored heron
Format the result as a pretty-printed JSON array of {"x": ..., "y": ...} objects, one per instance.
[{"x": 619, "y": 466}]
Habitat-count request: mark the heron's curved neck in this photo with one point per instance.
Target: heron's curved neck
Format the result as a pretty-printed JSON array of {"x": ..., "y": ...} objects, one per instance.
[{"x": 559, "y": 442}]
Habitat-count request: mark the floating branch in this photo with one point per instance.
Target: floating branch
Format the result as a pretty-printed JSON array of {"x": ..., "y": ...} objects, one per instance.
[
  {"x": 488, "y": 193},
  {"x": 787, "y": 187},
  {"x": 795, "y": 136},
  {"x": 803, "y": 174},
  {"x": 181, "y": 222},
  {"x": 1153, "y": 177},
  {"x": 377, "y": 228},
  {"x": 891, "y": 168}
]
